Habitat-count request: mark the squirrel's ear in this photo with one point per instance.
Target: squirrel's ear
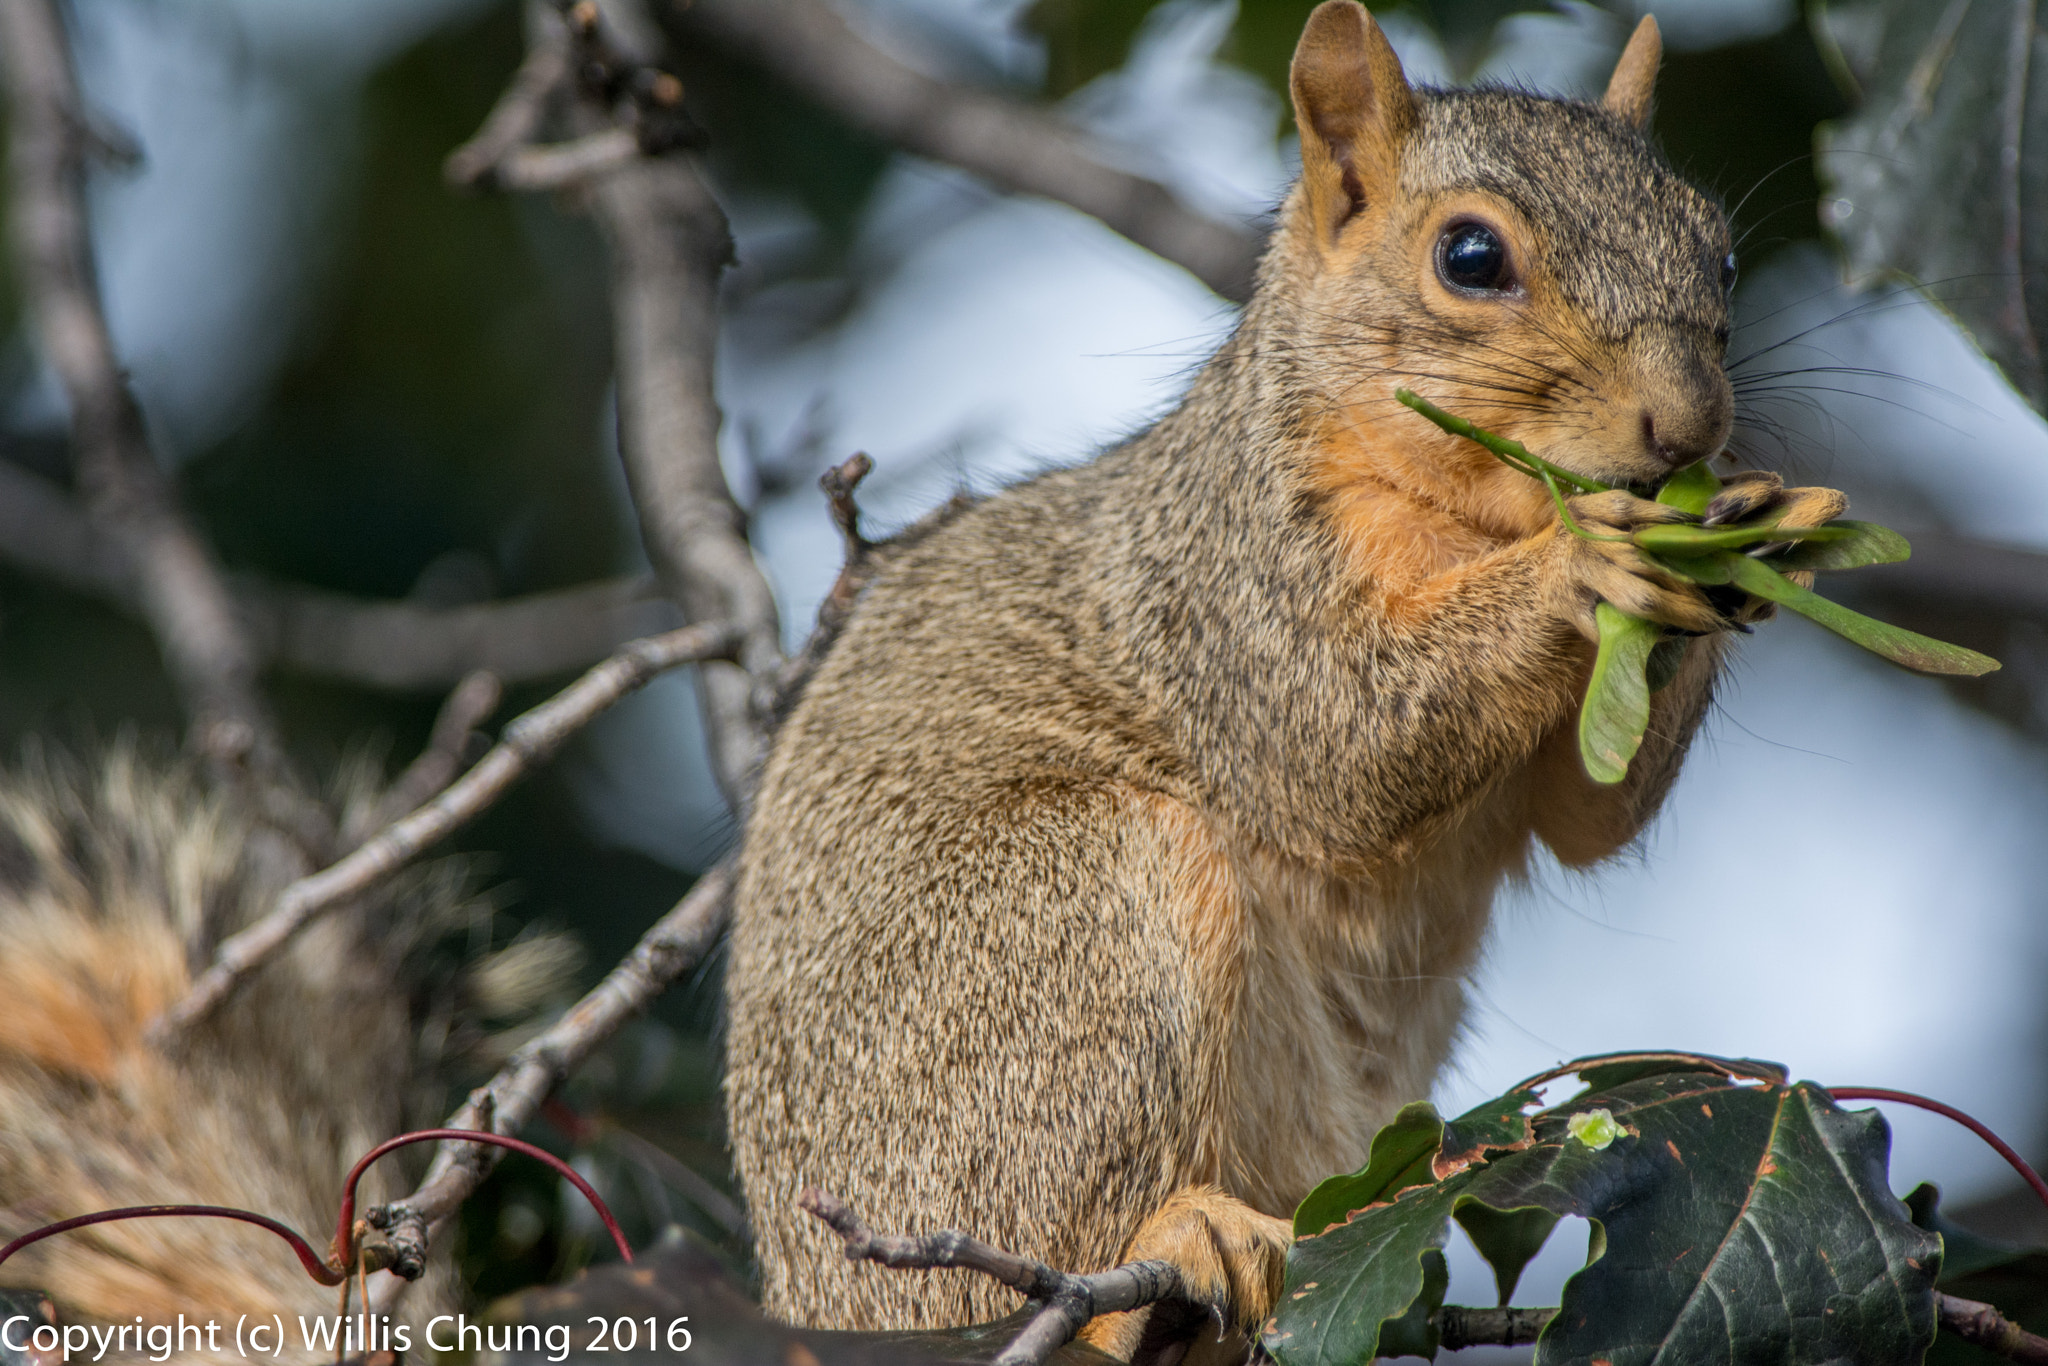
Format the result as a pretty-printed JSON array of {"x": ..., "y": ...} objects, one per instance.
[
  {"x": 1634, "y": 82},
  {"x": 1354, "y": 108}
]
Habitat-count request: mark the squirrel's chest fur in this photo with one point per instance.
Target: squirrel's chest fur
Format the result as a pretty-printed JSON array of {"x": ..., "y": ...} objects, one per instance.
[{"x": 1331, "y": 999}]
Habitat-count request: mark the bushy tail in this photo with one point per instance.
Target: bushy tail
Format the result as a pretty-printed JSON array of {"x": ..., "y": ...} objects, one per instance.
[{"x": 116, "y": 879}]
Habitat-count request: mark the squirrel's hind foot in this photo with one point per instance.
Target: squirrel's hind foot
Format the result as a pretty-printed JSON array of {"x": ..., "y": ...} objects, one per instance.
[{"x": 1231, "y": 1258}]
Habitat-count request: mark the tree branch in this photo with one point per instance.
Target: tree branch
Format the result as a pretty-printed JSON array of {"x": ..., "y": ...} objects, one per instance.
[
  {"x": 396, "y": 645},
  {"x": 669, "y": 243},
  {"x": 678, "y": 941},
  {"x": 1979, "y": 1323},
  {"x": 527, "y": 742},
  {"x": 404, "y": 646},
  {"x": 1012, "y": 145},
  {"x": 177, "y": 585},
  {"x": 1069, "y": 1300},
  {"x": 443, "y": 760}
]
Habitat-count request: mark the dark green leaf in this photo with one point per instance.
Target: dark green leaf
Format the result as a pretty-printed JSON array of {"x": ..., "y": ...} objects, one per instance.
[
  {"x": 1400, "y": 1158},
  {"x": 1941, "y": 175},
  {"x": 1734, "y": 1222},
  {"x": 1617, "y": 1069},
  {"x": 1500, "y": 1125},
  {"x": 1414, "y": 1334},
  {"x": 1616, "y": 711}
]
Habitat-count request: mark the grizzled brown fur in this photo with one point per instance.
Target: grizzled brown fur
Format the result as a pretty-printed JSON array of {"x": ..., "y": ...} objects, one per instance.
[
  {"x": 115, "y": 878},
  {"x": 1118, "y": 872}
]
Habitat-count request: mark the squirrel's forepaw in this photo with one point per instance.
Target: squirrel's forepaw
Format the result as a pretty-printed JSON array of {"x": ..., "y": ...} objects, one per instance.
[
  {"x": 1230, "y": 1257},
  {"x": 1608, "y": 568},
  {"x": 1756, "y": 493}
]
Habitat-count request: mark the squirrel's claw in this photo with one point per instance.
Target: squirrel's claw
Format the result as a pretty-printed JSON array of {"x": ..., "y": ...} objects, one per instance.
[{"x": 1230, "y": 1257}]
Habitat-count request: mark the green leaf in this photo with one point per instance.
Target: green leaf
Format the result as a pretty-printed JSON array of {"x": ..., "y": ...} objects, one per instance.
[
  {"x": 1691, "y": 489},
  {"x": 1500, "y": 1125},
  {"x": 1414, "y": 1334},
  {"x": 1939, "y": 176},
  {"x": 1895, "y": 643},
  {"x": 1685, "y": 539},
  {"x": 1400, "y": 1158},
  {"x": 1867, "y": 543},
  {"x": 1738, "y": 1222},
  {"x": 1508, "y": 1239},
  {"x": 1616, "y": 711}
]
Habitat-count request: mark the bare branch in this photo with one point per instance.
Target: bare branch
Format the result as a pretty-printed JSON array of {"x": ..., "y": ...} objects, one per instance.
[
  {"x": 1069, "y": 1300},
  {"x": 516, "y": 117},
  {"x": 395, "y": 645},
  {"x": 407, "y": 646},
  {"x": 441, "y": 762},
  {"x": 177, "y": 584},
  {"x": 839, "y": 484},
  {"x": 562, "y": 164},
  {"x": 1459, "y": 1327},
  {"x": 1983, "y": 1325},
  {"x": 669, "y": 243},
  {"x": 1013, "y": 145},
  {"x": 678, "y": 941},
  {"x": 527, "y": 742}
]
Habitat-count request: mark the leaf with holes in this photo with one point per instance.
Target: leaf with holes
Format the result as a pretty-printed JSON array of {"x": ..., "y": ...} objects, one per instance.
[{"x": 1737, "y": 1217}]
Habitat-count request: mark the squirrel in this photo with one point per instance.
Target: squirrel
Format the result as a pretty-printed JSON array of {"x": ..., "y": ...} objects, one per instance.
[
  {"x": 1115, "y": 875},
  {"x": 116, "y": 877}
]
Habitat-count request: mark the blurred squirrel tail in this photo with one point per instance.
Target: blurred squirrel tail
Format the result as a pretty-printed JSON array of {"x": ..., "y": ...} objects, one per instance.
[{"x": 116, "y": 878}]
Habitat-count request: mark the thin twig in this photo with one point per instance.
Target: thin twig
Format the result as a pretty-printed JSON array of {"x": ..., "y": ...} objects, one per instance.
[
  {"x": 1011, "y": 144},
  {"x": 527, "y": 742},
  {"x": 1979, "y": 1323},
  {"x": 1069, "y": 1301},
  {"x": 559, "y": 165},
  {"x": 839, "y": 484},
  {"x": 678, "y": 941},
  {"x": 176, "y": 581},
  {"x": 442, "y": 761},
  {"x": 515, "y": 118}
]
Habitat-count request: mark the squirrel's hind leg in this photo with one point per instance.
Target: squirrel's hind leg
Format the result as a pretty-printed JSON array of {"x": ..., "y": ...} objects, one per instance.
[{"x": 1231, "y": 1258}]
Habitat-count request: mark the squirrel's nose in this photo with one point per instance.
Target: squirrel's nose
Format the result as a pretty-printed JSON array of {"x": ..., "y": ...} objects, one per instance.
[
  {"x": 1680, "y": 443},
  {"x": 1687, "y": 405}
]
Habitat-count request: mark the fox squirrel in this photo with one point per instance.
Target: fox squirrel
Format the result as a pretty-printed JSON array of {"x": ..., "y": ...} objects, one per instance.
[
  {"x": 1115, "y": 875},
  {"x": 115, "y": 877}
]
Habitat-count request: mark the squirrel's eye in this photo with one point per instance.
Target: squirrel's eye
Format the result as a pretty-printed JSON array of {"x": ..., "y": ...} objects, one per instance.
[
  {"x": 1728, "y": 271},
  {"x": 1472, "y": 257}
]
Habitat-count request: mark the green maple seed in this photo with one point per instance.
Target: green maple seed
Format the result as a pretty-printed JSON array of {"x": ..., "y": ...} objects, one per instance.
[
  {"x": 1634, "y": 659},
  {"x": 1616, "y": 711}
]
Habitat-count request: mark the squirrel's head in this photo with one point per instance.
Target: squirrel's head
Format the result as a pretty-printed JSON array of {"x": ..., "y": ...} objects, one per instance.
[{"x": 1529, "y": 263}]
